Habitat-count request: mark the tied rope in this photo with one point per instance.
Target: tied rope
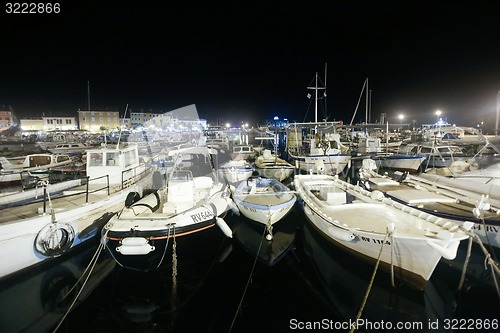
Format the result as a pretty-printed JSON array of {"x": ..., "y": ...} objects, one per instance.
[
  {"x": 248, "y": 281},
  {"x": 488, "y": 260},
  {"x": 90, "y": 267},
  {"x": 360, "y": 312}
]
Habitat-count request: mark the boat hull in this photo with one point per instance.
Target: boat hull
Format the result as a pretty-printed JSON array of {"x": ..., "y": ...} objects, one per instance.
[
  {"x": 402, "y": 162},
  {"x": 360, "y": 222},
  {"x": 323, "y": 164}
]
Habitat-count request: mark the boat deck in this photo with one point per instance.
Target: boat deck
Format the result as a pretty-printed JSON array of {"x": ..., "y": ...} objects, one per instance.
[{"x": 60, "y": 202}]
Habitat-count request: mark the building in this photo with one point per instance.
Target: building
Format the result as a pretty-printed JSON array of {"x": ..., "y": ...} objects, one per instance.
[
  {"x": 49, "y": 124},
  {"x": 95, "y": 121},
  {"x": 6, "y": 119}
]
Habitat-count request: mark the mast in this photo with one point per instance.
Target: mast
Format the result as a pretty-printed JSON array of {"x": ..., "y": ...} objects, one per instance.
[
  {"x": 366, "y": 103},
  {"x": 316, "y": 100},
  {"x": 88, "y": 94},
  {"x": 316, "y": 88}
]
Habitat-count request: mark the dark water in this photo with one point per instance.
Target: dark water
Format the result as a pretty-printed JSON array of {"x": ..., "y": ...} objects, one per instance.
[
  {"x": 299, "y": 281},
  {"x": 221, "y": 287}
]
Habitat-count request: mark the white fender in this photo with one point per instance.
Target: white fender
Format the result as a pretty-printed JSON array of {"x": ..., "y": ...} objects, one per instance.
[
  {"x": 135, "y": 246},
  {"x": 224, "y": 227},
  {"x": 221, "y": 205}
]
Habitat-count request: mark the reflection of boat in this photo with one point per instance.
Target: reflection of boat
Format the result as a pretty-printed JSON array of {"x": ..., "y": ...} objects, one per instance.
[
  {"x": 251, "y": 238},
  {"x": 52, "y": 225},
  {"x": 264, "y": 200},
  {"x": 375, "y": 228},
  {"x": 345, "y": 283},
  {"x": 37, "y": 300},
  {"x": 138, "y": 236}
]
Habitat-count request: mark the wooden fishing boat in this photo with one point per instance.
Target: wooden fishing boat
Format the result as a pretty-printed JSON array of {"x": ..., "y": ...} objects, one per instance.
[
  {"x": 376, "y": 228},
  {"x": 264, "y": 200}
]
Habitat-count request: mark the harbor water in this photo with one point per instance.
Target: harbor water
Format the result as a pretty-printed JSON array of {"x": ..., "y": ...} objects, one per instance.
[{"x": 217, "y": 284}]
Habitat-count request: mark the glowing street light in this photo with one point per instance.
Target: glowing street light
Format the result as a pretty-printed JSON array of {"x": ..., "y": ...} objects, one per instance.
[
  {"x": 401, "y": 117},
  {"x": 228, "y": 125},
  {"x": 438, "y": 114}
]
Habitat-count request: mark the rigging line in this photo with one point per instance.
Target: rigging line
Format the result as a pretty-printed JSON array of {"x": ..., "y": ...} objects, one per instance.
[{"x": 248, "y": 281}]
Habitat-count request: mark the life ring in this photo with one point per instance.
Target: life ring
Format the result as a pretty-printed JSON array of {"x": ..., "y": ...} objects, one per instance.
[{"x": 54, "y": 239}]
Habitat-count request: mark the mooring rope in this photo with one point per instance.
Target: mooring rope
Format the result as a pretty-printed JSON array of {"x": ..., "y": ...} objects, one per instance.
[
  {"x": 488, "y": 260},
  {"x": 248, "y": 281},
  {"x": 91, "y": 265},
  {"x": 360, "y": 312},
  {"x": 466, "y": 263}
]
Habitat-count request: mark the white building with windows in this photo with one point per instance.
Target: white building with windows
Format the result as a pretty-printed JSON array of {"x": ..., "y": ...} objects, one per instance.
[
  {"x": 95, "y": 121},
  {"x": 49, "y": 124}
]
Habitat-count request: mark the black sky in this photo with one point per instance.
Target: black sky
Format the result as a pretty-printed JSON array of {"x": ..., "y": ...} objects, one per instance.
[{"x": 248, "y": 61}]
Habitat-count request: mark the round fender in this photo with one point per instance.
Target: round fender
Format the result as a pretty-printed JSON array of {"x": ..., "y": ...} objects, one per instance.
[{"x": 54, "y": 239}]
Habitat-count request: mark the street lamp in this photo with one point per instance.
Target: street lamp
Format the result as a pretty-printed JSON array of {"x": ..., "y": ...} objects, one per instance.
[
  {"x": 438, "y": 114},
  {"x": 401, "y": 117}
]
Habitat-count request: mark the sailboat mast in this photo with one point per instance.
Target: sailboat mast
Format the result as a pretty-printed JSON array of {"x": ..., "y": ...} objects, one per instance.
[
  {"x": 316, "y": 100},
  {"x": 366, "y": 103}
]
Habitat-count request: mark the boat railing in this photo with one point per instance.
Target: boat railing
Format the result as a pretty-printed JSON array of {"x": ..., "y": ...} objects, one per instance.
[{"x": 45, "y": 196}]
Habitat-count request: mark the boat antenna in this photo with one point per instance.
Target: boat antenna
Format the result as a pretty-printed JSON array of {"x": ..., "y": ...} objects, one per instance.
[{"x": 121, "y": 127}]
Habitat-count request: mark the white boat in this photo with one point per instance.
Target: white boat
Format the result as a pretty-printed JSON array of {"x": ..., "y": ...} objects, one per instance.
[
  {"x": 374, "y": 227},
  {"x": 456, "y": 199},
  {"x": 52, "y": 225},
  {"x": 316, "y": 146},
  {"x": 13, "y": 171},
  {"x": 236, "y": 170},
  {"x": 139, "y": 236},
  {"x": 72, "y": 148},
  {"x": 246, "y": 152},
  {"x": 264, "y": 200},
  {"x": 271, "y": 166},
  {"x": 411, "y": 163},
  {"x": 438, "y": 156}
]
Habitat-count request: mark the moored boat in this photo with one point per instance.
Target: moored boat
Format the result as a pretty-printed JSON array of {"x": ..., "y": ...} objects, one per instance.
[
  {"x": 139, "y": 236},
  {"x": 54, "y": 224},
  {"x": 271, "y": 166},
  {"x": 264, "y": 200},
  {"x": 236, "y": 170},
  {"x": 409, "y": 241}
]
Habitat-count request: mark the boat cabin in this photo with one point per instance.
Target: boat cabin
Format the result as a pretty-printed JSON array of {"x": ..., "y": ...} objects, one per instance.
[{"x": 119, "y": 163}]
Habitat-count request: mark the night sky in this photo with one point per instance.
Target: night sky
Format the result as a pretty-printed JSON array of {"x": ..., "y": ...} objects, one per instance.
[{"x": 249, "y": 61}]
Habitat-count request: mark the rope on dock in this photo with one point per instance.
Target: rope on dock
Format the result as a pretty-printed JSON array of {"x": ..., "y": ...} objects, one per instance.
[
  {"x": 248, "y": 281},
  {"x": 360, "y": 312}
]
